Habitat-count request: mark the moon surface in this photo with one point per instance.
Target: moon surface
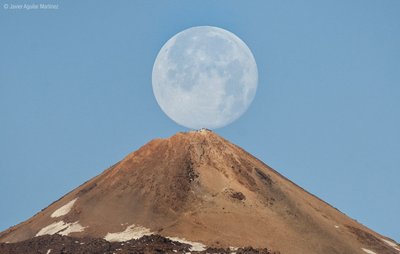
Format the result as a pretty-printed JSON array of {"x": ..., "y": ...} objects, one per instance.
[{"x": 204, "y": 77}]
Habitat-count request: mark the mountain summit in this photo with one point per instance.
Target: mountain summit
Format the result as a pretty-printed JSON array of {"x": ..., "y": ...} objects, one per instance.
[{"x": 200, "y": 189}]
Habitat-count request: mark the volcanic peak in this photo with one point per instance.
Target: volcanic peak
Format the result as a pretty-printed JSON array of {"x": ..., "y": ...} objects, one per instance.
[{"x": 200, "y": 187}]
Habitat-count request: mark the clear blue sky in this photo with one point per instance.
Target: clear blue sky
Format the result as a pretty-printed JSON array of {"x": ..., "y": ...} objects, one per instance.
[{"x": 76, "y": 96}]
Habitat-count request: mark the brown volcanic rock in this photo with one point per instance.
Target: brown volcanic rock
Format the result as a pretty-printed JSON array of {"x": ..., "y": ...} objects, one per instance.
[{"x": 200, "y": 187}]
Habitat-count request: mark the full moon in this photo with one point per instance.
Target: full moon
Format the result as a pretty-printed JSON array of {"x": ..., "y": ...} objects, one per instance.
[{"x": 204, "y": 77}]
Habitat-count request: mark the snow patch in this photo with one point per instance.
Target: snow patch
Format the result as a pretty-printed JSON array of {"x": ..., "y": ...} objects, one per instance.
[
  {"x": 72, "y": 228},
  {"x": 368, "y": 251},
  {"x": 52, "y": 228},
  {"x": 131, "y": 232},
  {"x": 64, "y": 209},
  {"x": 195, "y": 245},
  {"x": 233, "y": 250},
  {"x": 62, "y": 228},
  {"x": 135, "y": 232},
  {"x": 391, "y": 244},
  {"x": 48, "y": 251}
]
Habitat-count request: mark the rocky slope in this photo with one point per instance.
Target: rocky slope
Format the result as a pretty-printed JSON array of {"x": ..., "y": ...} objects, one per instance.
[{"x": 57, "y": 244}]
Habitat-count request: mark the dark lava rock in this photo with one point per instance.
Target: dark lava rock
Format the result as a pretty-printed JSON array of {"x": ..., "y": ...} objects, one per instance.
[
  {"x": 238, "y": 195},
  {"x": 57, "y": 244}
]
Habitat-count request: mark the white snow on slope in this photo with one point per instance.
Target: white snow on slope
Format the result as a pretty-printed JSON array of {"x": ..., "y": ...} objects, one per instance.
[
  {"x": 64, "y": 209},
  {"x": 62, "y": 228},
  {"x": 135, "y": 232},
  {"x": 368, "y": 251},
  {"x": 233, "y": 250},
  {"x": 72, "y": 227},
  {"x": 131, "y": 232},
  {"x": 52, "y": 228},
  {"x": 195, "y": 245},
  {"x": 391, "y": 244}
]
